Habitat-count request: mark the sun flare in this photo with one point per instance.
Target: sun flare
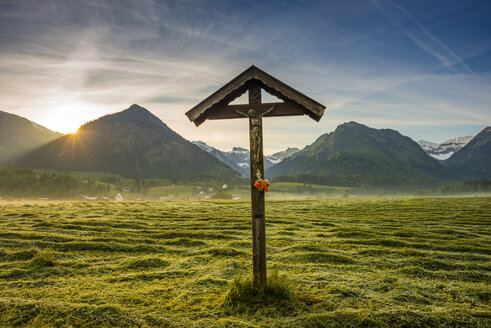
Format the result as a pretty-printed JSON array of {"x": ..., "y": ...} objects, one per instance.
[{"x": 67, "y": 118}]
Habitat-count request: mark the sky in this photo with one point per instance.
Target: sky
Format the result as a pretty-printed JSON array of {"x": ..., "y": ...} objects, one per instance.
[{"x": 421, "y": 67}]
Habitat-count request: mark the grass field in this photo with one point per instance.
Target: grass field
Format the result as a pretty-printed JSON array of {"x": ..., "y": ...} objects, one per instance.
[{"x": 404, "y": 262}]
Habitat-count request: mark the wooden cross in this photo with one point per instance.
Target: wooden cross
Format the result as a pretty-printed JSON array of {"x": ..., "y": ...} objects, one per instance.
[{"x": 217, "y": 107}]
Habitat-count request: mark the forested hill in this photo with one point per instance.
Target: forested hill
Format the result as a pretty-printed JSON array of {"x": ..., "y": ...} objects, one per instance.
[
  {"x": 474, "y": 159},
  {"x": 133, "y": 143},
  {"x": 356, "y": 150},
  {"x": 19, "y": 135}
]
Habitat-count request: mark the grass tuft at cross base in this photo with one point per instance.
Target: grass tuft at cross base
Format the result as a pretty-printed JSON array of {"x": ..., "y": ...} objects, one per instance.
[{"x": 276, "y": 296}]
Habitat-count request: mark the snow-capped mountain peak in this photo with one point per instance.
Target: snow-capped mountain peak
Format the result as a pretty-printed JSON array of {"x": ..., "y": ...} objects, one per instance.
[
  {"x": 203, "y": 146},
  {"x": 427, "y": 144},
  {"x": 445, "y": 149},
  {"x": 238, "y": 157},
  {"x": 240, "y": 150},
  {"x": 281, "y": 155}
]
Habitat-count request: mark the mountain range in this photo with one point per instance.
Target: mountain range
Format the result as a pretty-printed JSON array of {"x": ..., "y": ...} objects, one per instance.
[
  {"x": 133, "y": 143},
  {"x": 445, "y": 149},
  {"x": 356, "y": 150},
  {"x": 239, "y": 159},
  {"x": 19, "y": 135},
  {"x": 136, "y": 144}
]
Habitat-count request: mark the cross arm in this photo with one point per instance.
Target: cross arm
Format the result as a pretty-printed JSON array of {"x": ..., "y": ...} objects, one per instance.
[{"x": 265, "y": 110}]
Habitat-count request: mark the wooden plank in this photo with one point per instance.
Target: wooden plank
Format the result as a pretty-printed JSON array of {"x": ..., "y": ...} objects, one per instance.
[
  {"x": 257, "y": 197},
  {"x": 219, "y": 95},
  {"x": 271, "y": 83},
  {"x": 281, "y": 109}
]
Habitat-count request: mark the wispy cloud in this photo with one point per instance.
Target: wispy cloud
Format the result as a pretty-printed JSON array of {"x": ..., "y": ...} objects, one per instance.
[{"x": 419, "y": 34}]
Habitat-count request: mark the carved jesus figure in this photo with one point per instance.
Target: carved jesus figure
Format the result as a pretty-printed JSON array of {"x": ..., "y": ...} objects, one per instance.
[
  {"x": 256, "y": 131},
  {"x": 255, "y": 135}
]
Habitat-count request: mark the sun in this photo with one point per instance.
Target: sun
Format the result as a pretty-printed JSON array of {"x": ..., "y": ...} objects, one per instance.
[{"x": 67, "y": 118}]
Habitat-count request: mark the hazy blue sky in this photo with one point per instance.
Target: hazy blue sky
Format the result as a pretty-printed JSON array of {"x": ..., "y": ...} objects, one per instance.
[{"x": 420, "y": 67}]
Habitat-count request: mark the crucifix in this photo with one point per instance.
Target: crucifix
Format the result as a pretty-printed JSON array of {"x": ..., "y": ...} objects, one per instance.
[{"x": 217, "y": 106}]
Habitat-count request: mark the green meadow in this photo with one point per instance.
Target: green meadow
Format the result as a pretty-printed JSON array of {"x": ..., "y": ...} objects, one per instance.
[{"x": 400, "y": 262}]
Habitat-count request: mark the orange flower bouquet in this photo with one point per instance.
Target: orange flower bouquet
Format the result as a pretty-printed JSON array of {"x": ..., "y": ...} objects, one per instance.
[{"x": 262, "y": 185}]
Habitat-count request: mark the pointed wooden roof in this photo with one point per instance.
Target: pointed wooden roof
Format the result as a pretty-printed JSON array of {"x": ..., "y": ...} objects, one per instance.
[{"x": 239, "y": 85}]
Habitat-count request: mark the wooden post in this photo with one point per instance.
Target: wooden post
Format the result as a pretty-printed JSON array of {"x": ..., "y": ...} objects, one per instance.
[{"x": 257, "y": 197}]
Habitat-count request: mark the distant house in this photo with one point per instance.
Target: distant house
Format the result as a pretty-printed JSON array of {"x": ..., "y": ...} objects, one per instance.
[
  {"x": 96, "y": 199},
  {"x": 90, "y": 198}
]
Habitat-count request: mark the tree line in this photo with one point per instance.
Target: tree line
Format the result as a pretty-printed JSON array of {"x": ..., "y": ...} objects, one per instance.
[
  {"x": 470, "y": 186},
  {"x": 364, "y": 182},
  {"x": 22, "y": 182}
]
